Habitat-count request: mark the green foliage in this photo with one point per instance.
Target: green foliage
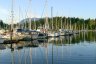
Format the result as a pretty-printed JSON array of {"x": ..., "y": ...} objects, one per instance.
[
  {"x": 75, "y": 23},
  {"x": 4, "y": 25}
]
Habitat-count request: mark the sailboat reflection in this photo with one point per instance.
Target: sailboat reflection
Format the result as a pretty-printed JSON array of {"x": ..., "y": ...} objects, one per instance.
[
  {"x": 2, "y": 47},
  {"x": 57, "y": 50},
  {"x": 21, "y": 44}
]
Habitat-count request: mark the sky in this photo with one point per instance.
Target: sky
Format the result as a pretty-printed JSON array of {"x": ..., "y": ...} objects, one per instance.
[{"x": 69, "y": 8}]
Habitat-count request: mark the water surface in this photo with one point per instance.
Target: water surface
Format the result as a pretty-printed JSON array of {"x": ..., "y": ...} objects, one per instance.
[{"x": 75, "y": 49}]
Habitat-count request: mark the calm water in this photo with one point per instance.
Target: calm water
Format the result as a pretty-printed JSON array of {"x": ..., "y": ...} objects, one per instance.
[{"x": 77, "y": 49}]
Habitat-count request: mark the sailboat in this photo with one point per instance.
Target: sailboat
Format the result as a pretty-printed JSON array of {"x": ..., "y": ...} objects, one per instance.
[
  {"x": 70, "y": 29},
  {"x": 12, "y": 34},
  {"x": 76, "y": 31},
  {"x": 38, "y": 34},
  {"x": 52, "y": 33},
  {"x": 61, "y": 31},
  {"x": 34, "y": 34}
]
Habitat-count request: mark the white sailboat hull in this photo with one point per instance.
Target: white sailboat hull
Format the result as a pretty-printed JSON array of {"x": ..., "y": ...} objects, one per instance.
[
  {"x": 53, "y": 34},
  {"x": 61, "y": 33},
  {"x": 15, "y": 36},
  {"x": 37, "y": 36}
]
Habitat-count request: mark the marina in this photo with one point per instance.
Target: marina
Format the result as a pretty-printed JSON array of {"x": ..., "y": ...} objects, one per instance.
[
  {"x": 20, "y": 33},
  {"x": 47, "y": 32},
  {"x": 57, "y": 50}
]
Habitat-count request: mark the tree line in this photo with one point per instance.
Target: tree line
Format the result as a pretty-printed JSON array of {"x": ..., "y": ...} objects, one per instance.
[
  {"x": 4, "y": 25},
  {"x": 65, "y": 23},
  {"x": 57, "y": 23}
]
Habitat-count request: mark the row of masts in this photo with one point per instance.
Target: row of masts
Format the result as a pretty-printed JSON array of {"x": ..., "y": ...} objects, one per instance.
[
  {"x": 29, "y": 16},
  {"x": 47, "y": 32}
]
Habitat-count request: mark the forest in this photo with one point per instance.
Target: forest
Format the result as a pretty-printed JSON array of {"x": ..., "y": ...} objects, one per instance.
[{"x": 56, "y": 23}]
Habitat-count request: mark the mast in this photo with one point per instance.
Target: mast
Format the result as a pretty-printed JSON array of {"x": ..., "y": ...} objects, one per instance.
[
  {"x": 84, "y": 25},
  {"x": 46, "y": 20},
  {"x": 75, "y": 26},
  {"x": 34, "y": 22},
  {"x": 30, "y": 14},
  {"x": 52, "y": 16},
  {"x": 11, "y": 28},
  {"x": 70, "y": 23},
  {"x": 12, "y": 12},
  {"x": 61, "y": 22},
  {"x": 65, "y": 25},
  {"x": 19, "y": 17},
  {"x": 56, "y": 22},
  {"x": 25, "y": 20}
]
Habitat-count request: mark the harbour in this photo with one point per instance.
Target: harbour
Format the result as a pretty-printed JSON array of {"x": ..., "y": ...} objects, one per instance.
[
  {"x": 59, "y": 50},
  {"x": 47, "y": 32}
]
